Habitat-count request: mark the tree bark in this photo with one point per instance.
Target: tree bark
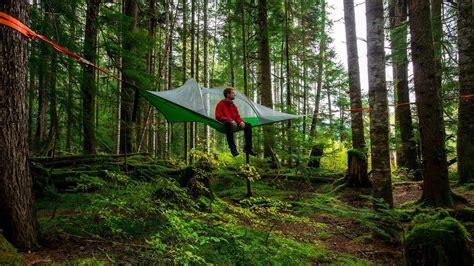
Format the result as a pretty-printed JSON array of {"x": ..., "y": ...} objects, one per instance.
[
  {"x": 289, "y": 93},
  {"x": 185, "y": 39},
  {"x": 319, "y": 81},
  {"x": 69, "y": 97},
  {"x": 45, "y": 54},
  {"x": 88, "y": 88},
  {"x": 398, "y": 36},
  {"x": 206, "y": 68},
  {"x": 465, "y": 141},
  {"x": 17, "y": 216},
  {"x": 126, "y": 135},
  {"x": 192, "y": 69},
  {"x": 265, "y": 75},
  {"x": 357, "y": 123},
  {"x": 437, "y": 27},
  {"x": 379, "y": 131},
  {"x": 244, "y": 47},
  {"x": 53, "y": 135},
  {"x": 436, "y": 190}
]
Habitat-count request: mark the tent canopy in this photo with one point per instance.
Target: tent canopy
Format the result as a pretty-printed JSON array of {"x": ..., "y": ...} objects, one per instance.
[{"x": 193, "y": 103}]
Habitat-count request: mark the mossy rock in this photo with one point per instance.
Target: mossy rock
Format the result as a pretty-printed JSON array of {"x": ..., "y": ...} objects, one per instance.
[
  {"x": 8, "y": 253},
  {"x": 437, "y": 242}
]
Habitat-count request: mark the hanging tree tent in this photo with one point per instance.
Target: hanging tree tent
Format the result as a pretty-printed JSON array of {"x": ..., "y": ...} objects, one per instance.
[{"x": 193, "y": 103}]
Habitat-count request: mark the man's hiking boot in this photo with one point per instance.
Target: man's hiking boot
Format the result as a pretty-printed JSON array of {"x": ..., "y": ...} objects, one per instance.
[
  {"x": 234, "y": 152},
  {"x": 251, "y": 152}
]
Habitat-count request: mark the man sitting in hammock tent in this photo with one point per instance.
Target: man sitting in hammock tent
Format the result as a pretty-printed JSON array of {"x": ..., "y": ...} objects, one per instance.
[
  {"x": 194, "y": 103},
  {"x": 228, "y": 113}
]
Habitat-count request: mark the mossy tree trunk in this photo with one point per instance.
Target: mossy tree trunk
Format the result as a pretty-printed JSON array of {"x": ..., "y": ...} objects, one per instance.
[
  {"x": 381, "y": 174},
  {"x": 436, "y": 189},
  {"x": 315, "y": 156},
  {"x": 357, "y": 122},
  {"x": 357, "y": 170}
]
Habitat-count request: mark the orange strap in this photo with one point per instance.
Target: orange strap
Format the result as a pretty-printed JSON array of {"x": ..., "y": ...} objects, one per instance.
[
  {"x": 467, "y": 96},
  {"x": 15, "y": 24}
]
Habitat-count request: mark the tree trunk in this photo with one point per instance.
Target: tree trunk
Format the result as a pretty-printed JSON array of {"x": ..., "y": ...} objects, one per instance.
[
  {"x": 328, "y": 91},
  {"x": 17, "y": 216},
  {"x": 265, "y": 75},
  {"x": 379, "y": 131},
  {"x": 31, "y": 95},
  {"x": 436, "y": 190},
  {"x": 244, "y": 47},
  {"x": 305, "y": 86},
  {"x": 192, "y": 69},
  {"x": 184, "y": 58},
  {"x": 53, "y": 112},
  {"x": 398, "y": 36},
  {"x": 70, "y": 96},
  {"x": 289, "y": 93},
  {"x": 197, "y": 35},
  {"x": 357, "y": 169},
  {"x": 45, "y": 54},
  {"x": 206, "y": 68},
  {"x": 319, "y": 82},
  {"x": 88, "y": 88},
  {"x": 465, "y": 141},
  {"x": 230, "y": 48},
  {"x": 130, "y": 10},
  {"x": 357, "y": 124},
  {"x": 437, "y": 27},
  {"x": 169, "y": 68}
]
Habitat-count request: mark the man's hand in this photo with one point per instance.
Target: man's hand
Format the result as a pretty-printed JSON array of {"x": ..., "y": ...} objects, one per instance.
[
  {"x": 242, "y": 124},
  {"x": 234, "y": 124}
]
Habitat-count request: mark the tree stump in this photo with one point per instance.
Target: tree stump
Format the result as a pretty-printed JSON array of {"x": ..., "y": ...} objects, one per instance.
[
  {"x": 197, "y": 179},
  {"x": 315, "y": 156},
  {"x": 357, "y": 170}
]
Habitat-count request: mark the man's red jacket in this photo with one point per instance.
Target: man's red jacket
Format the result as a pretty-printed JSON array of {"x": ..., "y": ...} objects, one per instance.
[{"x": 226, "y": 110}]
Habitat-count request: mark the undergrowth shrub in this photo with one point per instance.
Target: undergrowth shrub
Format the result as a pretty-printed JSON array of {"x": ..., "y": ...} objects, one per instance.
[
  {"x": 384, "y": 222},
  {"x": 258, "y": 203},
  {"x": 184, "y": 239},
  {"x": 335, "y": 158},
  {"x": 124, "y": 210}
]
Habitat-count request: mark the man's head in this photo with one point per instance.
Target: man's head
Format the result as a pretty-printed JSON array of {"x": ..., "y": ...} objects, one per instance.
[{"x": 229, "y": 93}]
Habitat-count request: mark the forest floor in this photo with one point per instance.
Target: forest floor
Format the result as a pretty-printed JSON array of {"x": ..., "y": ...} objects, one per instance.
[{"x": 288, "y": 221}]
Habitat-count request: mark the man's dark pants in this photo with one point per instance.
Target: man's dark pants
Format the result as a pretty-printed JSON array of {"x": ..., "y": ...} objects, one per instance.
[{"x": 229, "y": 132}]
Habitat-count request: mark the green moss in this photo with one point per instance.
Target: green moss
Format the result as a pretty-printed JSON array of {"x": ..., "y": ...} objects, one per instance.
[
  {"x": 8, "y": 253},
  {"x": 357, "y": 153},
  {"x": 437, "y": 241}
]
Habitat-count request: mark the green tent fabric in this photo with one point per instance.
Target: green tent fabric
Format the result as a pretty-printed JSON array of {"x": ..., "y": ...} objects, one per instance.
[{"x": 193, "y": 103}]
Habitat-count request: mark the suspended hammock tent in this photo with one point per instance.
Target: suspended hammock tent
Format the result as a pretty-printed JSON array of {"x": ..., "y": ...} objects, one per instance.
[{"x": 193, "y": 103}]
